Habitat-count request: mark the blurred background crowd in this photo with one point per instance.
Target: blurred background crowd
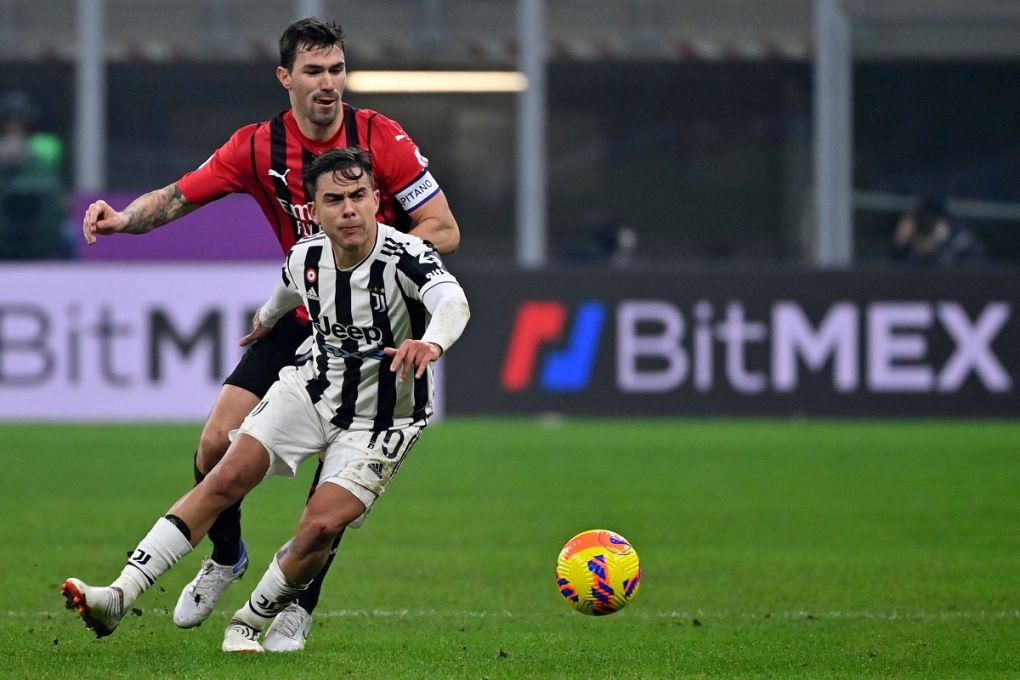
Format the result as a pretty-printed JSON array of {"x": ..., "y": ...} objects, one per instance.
[{"x": 676, "y": 130}]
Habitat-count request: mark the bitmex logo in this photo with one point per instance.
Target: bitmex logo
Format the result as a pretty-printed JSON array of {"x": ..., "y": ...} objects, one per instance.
[
  {"x": 903, "y": 346},
  {"x": 543, "y": 322}
]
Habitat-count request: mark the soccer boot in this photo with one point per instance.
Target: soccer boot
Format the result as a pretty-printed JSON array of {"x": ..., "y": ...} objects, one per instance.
[
  {"x": 239, "y": 637},
  {"x": 289, "y": 630},
  {"x": 100, "y": 608},
  {"x": 199, "y": 598}
]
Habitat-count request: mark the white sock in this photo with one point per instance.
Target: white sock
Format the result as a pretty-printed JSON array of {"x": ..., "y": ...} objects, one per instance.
[
  {"x": 273, "y": 593},
  {"x": 161, "y": 548}
]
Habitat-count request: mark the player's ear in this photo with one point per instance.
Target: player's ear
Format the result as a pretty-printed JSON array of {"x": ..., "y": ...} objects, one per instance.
[
  {"x": 283, "y": 75},
  {"x": 311, "y": 211}
]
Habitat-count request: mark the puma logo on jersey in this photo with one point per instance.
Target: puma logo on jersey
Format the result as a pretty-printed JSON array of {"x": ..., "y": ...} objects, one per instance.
[
  {"x": 282, "y": 178},
  {"x": 399, "y": 137}
]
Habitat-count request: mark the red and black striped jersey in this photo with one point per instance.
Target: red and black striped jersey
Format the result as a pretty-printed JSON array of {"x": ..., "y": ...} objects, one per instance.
[{"x": 266, "y": 160}]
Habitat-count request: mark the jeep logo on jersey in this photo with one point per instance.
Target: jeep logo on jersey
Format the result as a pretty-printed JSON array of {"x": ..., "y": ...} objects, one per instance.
[{"x": 342, "y": 332}]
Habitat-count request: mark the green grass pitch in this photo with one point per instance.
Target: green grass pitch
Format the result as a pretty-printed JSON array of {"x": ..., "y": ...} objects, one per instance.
[{"x": 769, "y": 549}]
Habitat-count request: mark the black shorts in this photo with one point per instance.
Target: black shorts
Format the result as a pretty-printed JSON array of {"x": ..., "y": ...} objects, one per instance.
[{"x": 260, "y": 366}]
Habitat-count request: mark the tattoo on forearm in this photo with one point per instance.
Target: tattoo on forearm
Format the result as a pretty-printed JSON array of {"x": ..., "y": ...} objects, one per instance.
[{"x": 156, "y": 208}]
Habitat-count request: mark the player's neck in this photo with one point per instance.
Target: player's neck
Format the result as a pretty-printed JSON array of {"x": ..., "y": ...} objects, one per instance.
[
  {"x": 317, "y": 133},
  {"x": 350, "y": 259}
]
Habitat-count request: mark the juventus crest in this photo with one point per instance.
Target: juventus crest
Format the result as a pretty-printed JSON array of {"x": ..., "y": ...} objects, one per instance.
[{"x": 378, "y": 296}]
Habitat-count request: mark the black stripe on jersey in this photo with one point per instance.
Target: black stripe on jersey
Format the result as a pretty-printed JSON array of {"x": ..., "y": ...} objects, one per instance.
[
  {"x": 368, "y": 135},
  {"x": 351, "y": 125},
  {"x": 310, "y": 277},
  {"x": 317, "y": 385},
  {"x": 352, "y": 365},
  {"x": 306, "y": 159},
  {"x": 381, "y": 319},
  {"x": 277, "y": 227},
  {"x": 278, "y": 163},
  {"x": 416, "y": 313}
]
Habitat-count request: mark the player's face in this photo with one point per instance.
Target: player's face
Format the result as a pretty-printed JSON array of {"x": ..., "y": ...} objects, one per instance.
[
  {"x": 316, "y": 84},
  {"x": 345, "y": 210}
]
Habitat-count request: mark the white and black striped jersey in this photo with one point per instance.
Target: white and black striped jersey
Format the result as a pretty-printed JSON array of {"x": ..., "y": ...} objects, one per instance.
[{"x": 357, "y": 312}]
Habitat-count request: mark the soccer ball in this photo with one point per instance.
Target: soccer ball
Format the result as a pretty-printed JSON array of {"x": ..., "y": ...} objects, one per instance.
[{"x": 598, "y": 572}]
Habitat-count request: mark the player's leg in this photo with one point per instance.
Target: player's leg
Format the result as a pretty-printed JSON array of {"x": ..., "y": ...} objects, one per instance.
[
  {"x": 250, "y": 380},
  {"x": 240, "y": 471},
  {"x": 290, "y": 628},
  {"x": 378, "y": 456},
  {"x": 171, "y": 538},
  {"x": 327, "y": 514},
  {"x": 330, "y": 510},
  {"x": 229, "y": 559},
  {"x": 232, "y": 404}
]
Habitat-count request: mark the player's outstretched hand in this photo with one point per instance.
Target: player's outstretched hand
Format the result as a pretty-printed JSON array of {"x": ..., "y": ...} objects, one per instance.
[
  {"x": 258, "y": 331},
  {"x": 101, "y": 219},
  {"x": 412, "y": 353}
]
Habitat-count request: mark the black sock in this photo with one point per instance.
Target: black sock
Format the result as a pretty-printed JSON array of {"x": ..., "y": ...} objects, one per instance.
[
  {"x": 225, "y": 533},
  {"x": 309, "y": 597}
]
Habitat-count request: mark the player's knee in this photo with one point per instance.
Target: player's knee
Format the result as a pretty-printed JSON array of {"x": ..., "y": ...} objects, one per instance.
[
  {"x": 212, "y": 444},
  {"x": 228, "y": 482},
  {"x": 317, "y": 532}
]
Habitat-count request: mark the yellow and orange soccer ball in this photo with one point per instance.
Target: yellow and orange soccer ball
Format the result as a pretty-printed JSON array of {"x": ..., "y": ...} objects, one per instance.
[{"x": 598, "y": 572}]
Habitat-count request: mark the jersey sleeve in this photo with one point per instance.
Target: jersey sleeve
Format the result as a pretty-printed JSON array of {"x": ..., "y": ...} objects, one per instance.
[
  {"x": 399, "y": 163},
  {"x": 285, "y": 297},
  {"x": 421, "y": 269},
  {"x": 222, "y": 173}
]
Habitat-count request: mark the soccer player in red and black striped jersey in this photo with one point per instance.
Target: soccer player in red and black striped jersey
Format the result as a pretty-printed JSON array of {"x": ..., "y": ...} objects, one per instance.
[{"x": 266, "y": 160}]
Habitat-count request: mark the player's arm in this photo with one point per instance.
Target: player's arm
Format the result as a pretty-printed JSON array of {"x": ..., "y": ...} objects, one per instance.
[
  {"x": 406, "y": 171},
  {"x": 434, "y": 221},
  {"x": 218, "y": 176},
  {"x": 144, "y": 214},
  {"x": 449, "y": 311}
]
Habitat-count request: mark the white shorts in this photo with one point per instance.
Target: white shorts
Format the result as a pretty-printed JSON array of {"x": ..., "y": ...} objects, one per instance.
[{"x": 361, "y": 461}]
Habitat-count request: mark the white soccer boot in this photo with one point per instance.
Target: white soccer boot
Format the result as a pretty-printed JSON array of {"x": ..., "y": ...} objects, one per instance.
[
  {"x": 289, "y": 630},
  {"x": 199, "y": 598},
  {"x": 239, "y": 637},
  {"x": 100, "y": 608}
]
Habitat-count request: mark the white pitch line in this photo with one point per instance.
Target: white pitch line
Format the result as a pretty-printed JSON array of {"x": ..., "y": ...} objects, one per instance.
[{"x": 950, "y": 615}]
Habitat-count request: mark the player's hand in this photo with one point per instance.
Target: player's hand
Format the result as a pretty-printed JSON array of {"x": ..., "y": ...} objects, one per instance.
[
  {"x": 412, "y": 353},
  {"x": 258, "y": 331},
  {"x": 101, "y": 219}
]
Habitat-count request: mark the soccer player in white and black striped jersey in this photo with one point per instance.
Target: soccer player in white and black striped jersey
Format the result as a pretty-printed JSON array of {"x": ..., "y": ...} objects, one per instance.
[{"x": 383, "y": 308}]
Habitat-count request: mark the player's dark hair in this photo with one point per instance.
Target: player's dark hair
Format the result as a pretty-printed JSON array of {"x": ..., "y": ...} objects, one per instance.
[
  {"x": 351, "y": 163},
  {"x": 309, "y": 34}
]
